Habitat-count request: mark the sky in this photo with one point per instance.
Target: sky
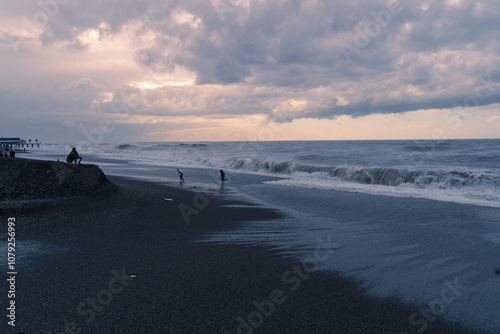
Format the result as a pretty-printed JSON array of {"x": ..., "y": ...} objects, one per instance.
[{"x": 106, "y": 71}]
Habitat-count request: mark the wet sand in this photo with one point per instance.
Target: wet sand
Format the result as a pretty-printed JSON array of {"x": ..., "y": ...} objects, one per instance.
[{"x": 130, "y": 263}]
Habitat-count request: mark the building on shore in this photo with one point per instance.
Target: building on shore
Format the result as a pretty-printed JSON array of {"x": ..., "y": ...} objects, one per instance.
[{"x": 18, "y": 142}]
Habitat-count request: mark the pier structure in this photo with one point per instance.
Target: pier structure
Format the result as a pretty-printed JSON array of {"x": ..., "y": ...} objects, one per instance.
[{"x": 18, "y": 142}]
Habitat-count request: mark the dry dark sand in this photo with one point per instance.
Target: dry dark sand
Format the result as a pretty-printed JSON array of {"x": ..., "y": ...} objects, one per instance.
[{"x": 181, "y": 286}]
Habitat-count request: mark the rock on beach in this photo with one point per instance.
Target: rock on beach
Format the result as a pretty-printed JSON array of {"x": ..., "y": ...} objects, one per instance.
[{"x": 26, "y": 179}]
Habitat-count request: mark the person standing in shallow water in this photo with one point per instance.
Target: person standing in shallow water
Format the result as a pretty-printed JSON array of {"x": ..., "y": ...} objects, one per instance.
[{"x": 181, "y": 178}]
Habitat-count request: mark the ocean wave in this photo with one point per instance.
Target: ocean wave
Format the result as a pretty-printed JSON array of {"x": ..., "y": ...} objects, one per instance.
[
  {"x": 275, "y": 167},
  {"x": 386, "y": 176},
  {"x": 125, "y": 146},
  {"x": 477, "y": 196},
  {"x": 397, "y": 177},
  {"x": 194, "y": 145},
  {"x": 163, "y": 145},
  {"x": 314, "y": 157},
  {"x": 427, "y": 146},
  {"x": 155, "y": 147}
]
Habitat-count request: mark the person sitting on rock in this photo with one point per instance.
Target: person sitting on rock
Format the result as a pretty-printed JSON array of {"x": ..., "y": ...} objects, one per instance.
[{"x": 73, "y": 156}]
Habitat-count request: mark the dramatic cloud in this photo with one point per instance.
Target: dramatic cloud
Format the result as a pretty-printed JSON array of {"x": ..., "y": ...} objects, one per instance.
[{"x": 72, "y": 64}]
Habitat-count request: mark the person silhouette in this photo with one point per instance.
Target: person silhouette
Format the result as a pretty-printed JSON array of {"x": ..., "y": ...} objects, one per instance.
[
  {"x": 181, "y": 178},
  {"x": 222, "y": 176},
  {"x": 73, "y": 156}
]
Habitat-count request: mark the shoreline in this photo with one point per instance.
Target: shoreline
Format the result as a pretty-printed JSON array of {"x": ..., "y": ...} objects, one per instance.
[
  {"x": 182, "y": 285},
  {"x": 160, "y": 170}
]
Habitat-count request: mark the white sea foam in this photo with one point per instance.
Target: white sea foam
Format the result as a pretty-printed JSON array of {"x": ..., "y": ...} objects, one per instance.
[
  {"x": 464, "y": 171},
  {"x": 482, "y": 197}
]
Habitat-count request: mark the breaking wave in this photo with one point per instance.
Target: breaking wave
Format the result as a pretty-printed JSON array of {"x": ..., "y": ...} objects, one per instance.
[
  {"x": 194, "y": 145},
  {"x": 460, "y": 171},
  {"x": 442, "y": 179},
  {"x": 257, "y": 165},
  {"x": 125, "y": 147}
]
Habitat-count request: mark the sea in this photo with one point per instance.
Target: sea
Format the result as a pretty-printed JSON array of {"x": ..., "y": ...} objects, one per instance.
[
  {"x": 408, "y": 219},
  {"x": 460, "y": 171}
]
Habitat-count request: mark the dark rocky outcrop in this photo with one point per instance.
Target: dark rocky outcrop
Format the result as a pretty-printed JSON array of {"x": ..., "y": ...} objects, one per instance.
[{"x": 26, "y": 179}]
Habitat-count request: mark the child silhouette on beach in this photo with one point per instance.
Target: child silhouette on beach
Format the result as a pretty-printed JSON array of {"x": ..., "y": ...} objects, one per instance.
[
  {"x": 222, "y": 176},
  {"x": 180, "y": 175}
]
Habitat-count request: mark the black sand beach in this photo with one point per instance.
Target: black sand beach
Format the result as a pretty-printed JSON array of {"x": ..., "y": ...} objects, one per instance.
[{"x": 129, "y": 263}]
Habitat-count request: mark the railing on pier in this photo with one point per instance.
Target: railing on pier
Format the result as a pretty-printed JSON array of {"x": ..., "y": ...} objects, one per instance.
[{"x": 18, "y": 142}]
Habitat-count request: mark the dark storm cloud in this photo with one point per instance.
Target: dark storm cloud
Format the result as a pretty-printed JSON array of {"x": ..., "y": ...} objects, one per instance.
[{"x": 342, "y": 57}]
